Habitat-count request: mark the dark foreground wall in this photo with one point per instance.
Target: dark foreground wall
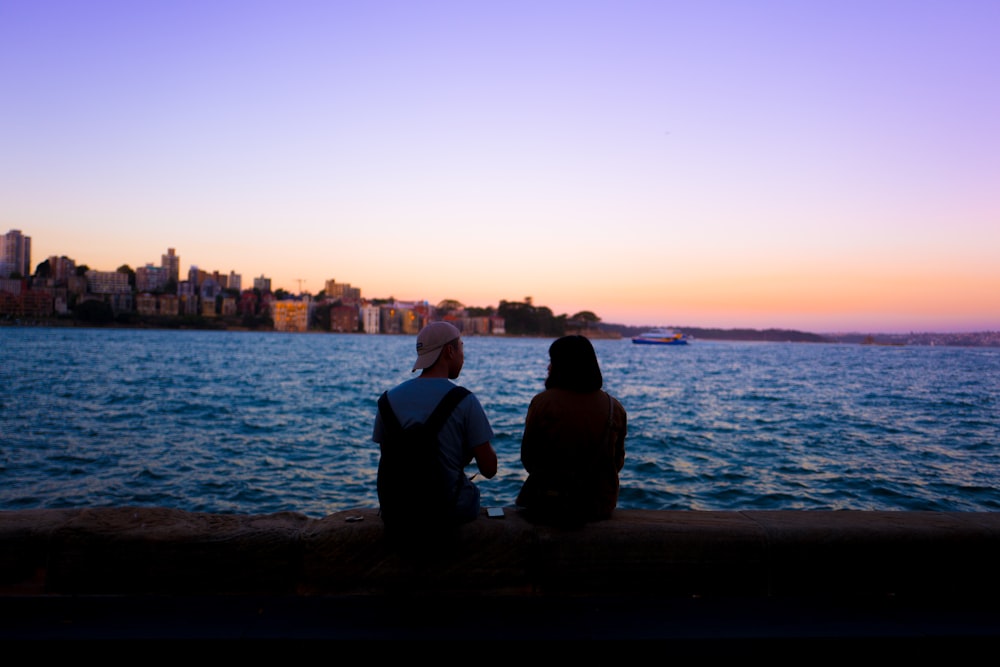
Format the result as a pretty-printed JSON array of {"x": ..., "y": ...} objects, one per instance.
[{"x": 945, "y": 560}]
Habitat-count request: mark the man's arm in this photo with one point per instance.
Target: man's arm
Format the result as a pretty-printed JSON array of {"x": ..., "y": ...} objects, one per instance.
[{"x": 486, "y": 459}]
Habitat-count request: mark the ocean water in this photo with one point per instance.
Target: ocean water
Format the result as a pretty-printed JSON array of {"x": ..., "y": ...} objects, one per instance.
[{"x": 255, "y": 423}]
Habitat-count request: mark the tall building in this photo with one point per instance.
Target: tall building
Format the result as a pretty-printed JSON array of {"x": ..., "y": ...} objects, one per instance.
[
  {"x": 263, "y": 284},
  {"x": 343, "y": 291},
  {"x": 197, "y": 276},
  {"x": 62, "y": 269},
  {"x": 172, "y": 263},
  {"x": 15, "y": 254}
]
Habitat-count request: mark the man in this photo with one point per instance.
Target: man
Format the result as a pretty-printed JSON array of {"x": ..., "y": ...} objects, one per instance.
[{"x": 465, "y": 436}]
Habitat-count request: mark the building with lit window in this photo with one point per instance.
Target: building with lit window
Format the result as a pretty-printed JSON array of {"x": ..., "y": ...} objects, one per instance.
[{"x": 289, "y": 315}]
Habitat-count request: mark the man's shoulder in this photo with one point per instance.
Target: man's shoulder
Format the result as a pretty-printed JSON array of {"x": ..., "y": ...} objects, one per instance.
[{"x": 425, "y": 386}]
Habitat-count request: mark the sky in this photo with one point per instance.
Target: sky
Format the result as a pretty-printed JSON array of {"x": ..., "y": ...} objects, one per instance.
[{"x": 825, "y": 166}]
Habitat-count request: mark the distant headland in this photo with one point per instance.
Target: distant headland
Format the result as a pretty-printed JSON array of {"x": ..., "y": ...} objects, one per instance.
[{"x": 602, "y": 330}]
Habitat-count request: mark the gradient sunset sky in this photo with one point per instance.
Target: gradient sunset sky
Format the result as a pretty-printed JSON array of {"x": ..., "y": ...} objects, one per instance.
[{"x": 827, "y": 166}]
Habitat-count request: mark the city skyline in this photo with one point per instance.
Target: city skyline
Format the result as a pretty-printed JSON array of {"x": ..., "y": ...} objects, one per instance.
[
  {"x": 822, "y": 167},
  {"x": 978, "y": 337}
]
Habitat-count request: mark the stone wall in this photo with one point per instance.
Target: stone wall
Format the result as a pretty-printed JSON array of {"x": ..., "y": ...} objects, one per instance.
[{"x": 638, "y": 553}]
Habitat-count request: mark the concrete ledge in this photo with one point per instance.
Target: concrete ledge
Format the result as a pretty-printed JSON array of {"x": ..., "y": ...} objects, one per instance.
[{"x": 638, "y": 554}]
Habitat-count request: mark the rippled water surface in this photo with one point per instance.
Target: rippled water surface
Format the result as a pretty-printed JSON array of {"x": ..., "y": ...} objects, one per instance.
[{"x": 250, "y": 422}]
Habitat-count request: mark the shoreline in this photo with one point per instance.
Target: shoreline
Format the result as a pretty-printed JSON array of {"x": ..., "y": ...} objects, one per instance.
[{"x": 980, "y": 339}]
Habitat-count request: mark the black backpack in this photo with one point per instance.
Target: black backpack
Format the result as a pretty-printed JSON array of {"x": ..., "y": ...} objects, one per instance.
[{"x": 413, "y": 488}]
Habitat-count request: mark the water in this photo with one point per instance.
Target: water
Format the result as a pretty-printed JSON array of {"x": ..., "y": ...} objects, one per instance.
[{"x": 254, "y": 423}]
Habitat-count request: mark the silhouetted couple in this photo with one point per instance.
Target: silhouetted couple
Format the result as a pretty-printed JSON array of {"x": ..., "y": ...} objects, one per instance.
[{"x": 573, "y": 445}]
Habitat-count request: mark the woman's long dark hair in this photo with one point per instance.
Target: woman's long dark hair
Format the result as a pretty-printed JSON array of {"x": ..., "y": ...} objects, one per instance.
[{"x": 574, "y": 365}]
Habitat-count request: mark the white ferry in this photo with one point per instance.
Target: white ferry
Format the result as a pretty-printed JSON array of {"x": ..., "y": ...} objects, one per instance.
[{"x": 661, "y": 337}]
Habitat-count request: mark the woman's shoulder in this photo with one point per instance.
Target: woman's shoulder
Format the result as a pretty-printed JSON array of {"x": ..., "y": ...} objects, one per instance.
[
  {"x": 557, "y": 396},
  {"x": 617, "y": 403}
]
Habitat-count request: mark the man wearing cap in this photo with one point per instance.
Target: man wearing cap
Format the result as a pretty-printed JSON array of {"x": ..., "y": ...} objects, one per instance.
[{"x": 466, "y": 434}]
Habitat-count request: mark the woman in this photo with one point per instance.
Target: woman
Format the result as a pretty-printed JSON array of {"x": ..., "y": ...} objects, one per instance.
[{"x": 574, "y": 441}]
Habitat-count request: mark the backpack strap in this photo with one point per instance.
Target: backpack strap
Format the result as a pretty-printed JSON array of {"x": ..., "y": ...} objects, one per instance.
[
  {"x": 389, "y": 419},
  {"x": 446, "y": 407}
]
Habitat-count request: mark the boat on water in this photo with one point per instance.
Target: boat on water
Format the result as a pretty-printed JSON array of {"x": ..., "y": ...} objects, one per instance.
[{"x": 661, "y": 337}]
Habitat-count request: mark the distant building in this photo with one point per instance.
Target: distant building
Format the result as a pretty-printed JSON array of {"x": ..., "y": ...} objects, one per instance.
[
  {"x": 263, "y": 284},
  {"x": 77, "y": 285},
  {"x": 188, "y": 304},
  {"x": 248, "y": 303},
  {"x": 22, "y": 301},
  {"x": 12, "y": 285},
  {"x": 145, "y": 304},
  {"x": 15, "y": 254},
  {"x": 168, "y": 304},
  {"x": 60, "y": 301},
  {"x": 289, "y": 315},
  {"x": 61, "y": 269},
  {"x": 197, "y": 276},
  {"x": 107, "y": 282},
  {"x": 475, "y": 326},
  {"x": 209, "y": 289},
  {"x": 344, "y": 319},
  {"x": 172, "y": 264},
  {"x": 121, "y": 302},
  {"x": 341, "y": 291},
  {"x": 370, "y": 322},
  {"x": 401, "y": 318},
  {"x": 151, "y": 278}
]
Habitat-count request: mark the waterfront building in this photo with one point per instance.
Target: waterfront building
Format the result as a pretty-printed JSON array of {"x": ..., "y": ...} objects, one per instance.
[
  {"x": 369, "y": 316},
  {"x": 145, "y": 304},
  {"x": 20, "y": 300},
  {"x": 167, "y": 304},
  {"x": 344, "y": 318},
  {"x": 12, "y": 285},
  {"x": 401, "y": 318},
  {"x": 290, "y": 315},
  {"x": 15, "y": 254},
  {"x": 474, "y": 326},
  {"x": 188, "y": 304},
  {"x": 248, "y": 303}
]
